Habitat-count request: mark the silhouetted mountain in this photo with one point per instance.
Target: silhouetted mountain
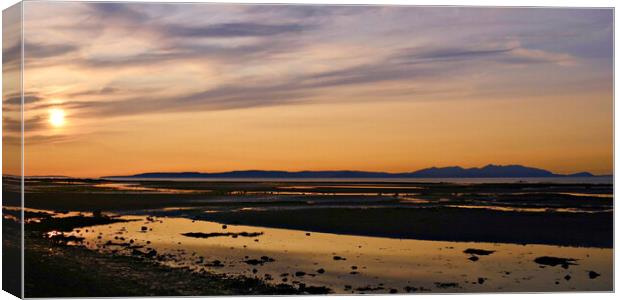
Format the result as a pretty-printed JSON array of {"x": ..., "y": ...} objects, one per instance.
[
  {"x": 489, "y": 171},
  {"x": 583, "y": 174}
]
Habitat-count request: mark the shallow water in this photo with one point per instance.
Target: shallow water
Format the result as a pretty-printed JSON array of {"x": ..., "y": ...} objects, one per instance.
[
  {"x": 567, "y": 180},
  {"x": 382, "y": 263},
  {"x": 137, "y": 188}
]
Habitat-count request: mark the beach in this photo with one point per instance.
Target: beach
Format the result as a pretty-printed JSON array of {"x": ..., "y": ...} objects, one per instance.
[{"x": 321, "y": 237}]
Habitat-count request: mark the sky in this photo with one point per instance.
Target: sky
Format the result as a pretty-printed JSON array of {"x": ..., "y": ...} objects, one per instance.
[{"x": 124, "y": 88}]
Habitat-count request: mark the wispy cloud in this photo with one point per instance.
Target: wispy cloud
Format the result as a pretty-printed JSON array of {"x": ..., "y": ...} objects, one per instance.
[{"x": 241, "y": 40}]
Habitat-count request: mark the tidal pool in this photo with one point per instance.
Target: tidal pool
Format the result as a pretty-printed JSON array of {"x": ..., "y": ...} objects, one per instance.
[{"x": 352, "y": 264}]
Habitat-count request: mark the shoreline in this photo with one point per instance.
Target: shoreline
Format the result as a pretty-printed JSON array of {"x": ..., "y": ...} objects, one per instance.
[{"x": 56, "y": 269}]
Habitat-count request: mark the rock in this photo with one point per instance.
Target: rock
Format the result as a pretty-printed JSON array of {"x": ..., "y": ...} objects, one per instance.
[
  {"x": 215, "y": 263},
  {"x": 393, "y": 291},
  {"x": 219, "y": 234},
  {"x": 445, "y": 285},
  {"x": 593, "y": 274},
  {"x": 336, "y": 257},
  {"x": 473, "y": 258},
  {"x": 151, "y": 254},
  {"x": 320, "y": 271},
  {"x": 315, "y": 290},
  {"x": 300, "y": 273},
  {"x": 144, "y": 228},
  {"x": 481, "y": 280},
  {"x": 554, "y": 261},
  {"x": 261, "y": 261},
  {"x": 478, "y": 251}
]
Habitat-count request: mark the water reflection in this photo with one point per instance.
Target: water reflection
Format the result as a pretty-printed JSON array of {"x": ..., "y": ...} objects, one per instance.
[{"x": 352, "y": 264}]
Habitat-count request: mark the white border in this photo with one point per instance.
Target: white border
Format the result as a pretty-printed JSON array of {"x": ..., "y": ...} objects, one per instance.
[{"x": 547, "y": 3}]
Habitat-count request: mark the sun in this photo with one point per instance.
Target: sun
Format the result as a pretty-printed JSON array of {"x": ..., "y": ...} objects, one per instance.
[{"x": 57, "y": 117}]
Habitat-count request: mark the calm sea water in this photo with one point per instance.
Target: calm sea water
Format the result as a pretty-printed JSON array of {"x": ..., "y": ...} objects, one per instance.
[
  {"x": 364, "y": 264},
  {"x": 586, "y": 180}
]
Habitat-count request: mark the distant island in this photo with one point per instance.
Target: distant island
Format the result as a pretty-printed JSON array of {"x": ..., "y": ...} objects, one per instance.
[{"x": 489, "y": 171}]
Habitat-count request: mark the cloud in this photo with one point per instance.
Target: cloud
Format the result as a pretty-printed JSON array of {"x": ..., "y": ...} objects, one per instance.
[
  {"x": 41, "y": 51},
  {"x": 511, "y": 55},
  {"x": 187, "y": 51},
  {"x": 117, "y": 11},
  {"x": 13, "y": 125},
  {"x": 414, "y": 54},
  {"x": 230, "y": 30},
  {"x": 252, "y": 38},
  {"x": 16, "y": 99},
  {"x": 35, "y": 54},
  {"x": 531, "y": 56},
  {"x": 108, "y": 90}
]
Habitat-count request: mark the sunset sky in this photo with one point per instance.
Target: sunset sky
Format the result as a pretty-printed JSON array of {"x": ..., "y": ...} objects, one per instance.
[{"x": 114, "y": 89}]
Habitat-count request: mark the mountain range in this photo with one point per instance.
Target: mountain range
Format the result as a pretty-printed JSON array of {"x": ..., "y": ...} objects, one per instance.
[{"x": 489, "y": 171}]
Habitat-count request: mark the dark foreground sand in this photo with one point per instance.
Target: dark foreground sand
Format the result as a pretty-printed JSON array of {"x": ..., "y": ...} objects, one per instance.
[
  {"x": 440, "y": 224},
  {"x": 61, "y": 271},
  {"x": 54, "y": 269}
]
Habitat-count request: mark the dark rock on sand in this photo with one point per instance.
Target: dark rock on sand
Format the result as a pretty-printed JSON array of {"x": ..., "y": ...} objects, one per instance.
[
  {"x": 320, "y": 271},
  {"x": 567, "y": 277},
  {"x": 473, "y": 258},
  {"x": 218, "y": 234},
  {"x": 314, "y": 290},
  {"x": 150, "y": 254},
  {"x": 261, "y": 261},
  {"x": 478, "y": 251},
  {"x": 336, "y": 257},
  {"x": 369, "y": 288},
  {"x": 554, "y": 261},
  {"x": 445, "y": 285},
  {"x": 593, "y": 274},
  {"x": 300, "y": 273},
  {"x": 215, "y": 263},
  {"x": 481, "y": 280}
]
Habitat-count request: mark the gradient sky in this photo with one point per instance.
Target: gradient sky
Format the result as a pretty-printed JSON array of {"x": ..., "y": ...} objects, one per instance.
[{"x": 206, "y": 87}]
